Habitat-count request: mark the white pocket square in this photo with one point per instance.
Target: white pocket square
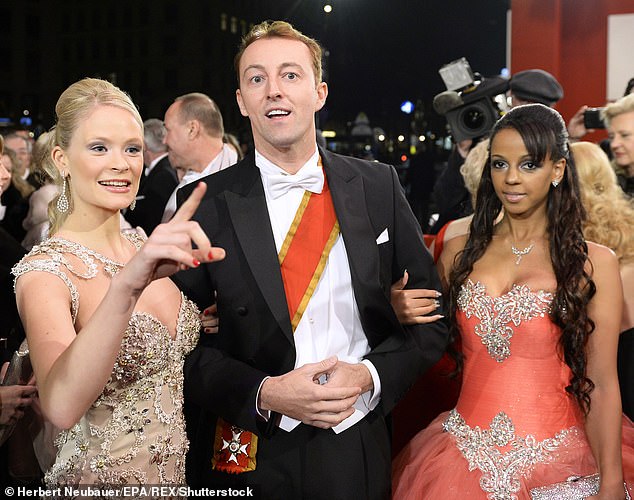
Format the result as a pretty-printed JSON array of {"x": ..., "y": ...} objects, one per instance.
[{"x": 383, "y": 237}]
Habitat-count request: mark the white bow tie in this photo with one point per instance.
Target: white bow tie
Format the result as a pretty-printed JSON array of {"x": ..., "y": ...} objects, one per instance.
[{"x": 308, "y": 178}]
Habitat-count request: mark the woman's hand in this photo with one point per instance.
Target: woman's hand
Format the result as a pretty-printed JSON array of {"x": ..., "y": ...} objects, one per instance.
[
  {"x": 413, "y": 306},
  {"x": 576, "y": 126},
  {"x": 169, "y": 248},
  {"x": 14, "y": 399},
  {"x": 209, "y": 319}
]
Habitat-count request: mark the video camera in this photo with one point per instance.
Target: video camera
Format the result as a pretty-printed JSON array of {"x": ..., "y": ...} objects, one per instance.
[{"x": 469, "y": 102}]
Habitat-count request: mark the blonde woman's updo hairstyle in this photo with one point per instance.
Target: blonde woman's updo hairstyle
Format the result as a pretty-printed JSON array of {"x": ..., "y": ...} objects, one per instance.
[
  {"x": 610, "y": 212},
  {"x": 73, "y": 106}
]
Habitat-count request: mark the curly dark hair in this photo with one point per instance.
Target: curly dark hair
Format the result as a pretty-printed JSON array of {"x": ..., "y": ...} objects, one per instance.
[{"x": 544, "y": 134}]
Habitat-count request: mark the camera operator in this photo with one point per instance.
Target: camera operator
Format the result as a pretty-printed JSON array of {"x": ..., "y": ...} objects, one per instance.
[
  {"x": 450, "y": 194},
  {"x": 534, "y": 86}
]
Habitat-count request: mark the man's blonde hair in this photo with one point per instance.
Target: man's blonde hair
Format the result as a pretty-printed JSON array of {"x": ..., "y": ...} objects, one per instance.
[{"x": 280, "y": 29}]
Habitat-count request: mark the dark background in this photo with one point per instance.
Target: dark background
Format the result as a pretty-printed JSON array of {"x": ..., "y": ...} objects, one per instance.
[
  {"x": 380, "y": 53},
  {"x": 383, "y": 52}
]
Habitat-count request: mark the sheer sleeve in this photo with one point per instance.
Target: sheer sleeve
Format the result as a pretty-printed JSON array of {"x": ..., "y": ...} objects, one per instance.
[
  {"x": 46, "y": 258},
  {"x": 52, "y": 256}
]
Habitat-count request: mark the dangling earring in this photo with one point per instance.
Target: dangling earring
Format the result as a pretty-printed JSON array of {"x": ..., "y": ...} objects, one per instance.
[
  {"x": 555, "y": 183},
  {"x": 133, "y": 204},
  {"x": 62, "y": 202}
]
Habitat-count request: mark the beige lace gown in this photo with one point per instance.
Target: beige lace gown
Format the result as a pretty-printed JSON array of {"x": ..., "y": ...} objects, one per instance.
[{"x": 135, "y": 432}]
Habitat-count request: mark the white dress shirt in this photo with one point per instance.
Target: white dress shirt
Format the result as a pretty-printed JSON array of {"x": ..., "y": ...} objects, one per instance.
[
  {"x": 227, "y": 157},
  {"x": 330, "y": 325}
]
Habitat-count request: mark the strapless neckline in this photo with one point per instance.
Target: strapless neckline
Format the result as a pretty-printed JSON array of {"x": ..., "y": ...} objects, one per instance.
[
  {"x": 500, "y": 315},
  {"x": 516, "y": 288}
]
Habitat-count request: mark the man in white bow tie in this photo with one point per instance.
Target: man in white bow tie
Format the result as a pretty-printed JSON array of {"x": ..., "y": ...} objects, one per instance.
[{"x": 310, "y": 358}]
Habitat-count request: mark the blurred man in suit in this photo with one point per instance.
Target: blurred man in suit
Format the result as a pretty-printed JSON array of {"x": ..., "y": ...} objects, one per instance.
[
  {"x": 158, "y": 181},
  {"x": 194, "y": 141}
]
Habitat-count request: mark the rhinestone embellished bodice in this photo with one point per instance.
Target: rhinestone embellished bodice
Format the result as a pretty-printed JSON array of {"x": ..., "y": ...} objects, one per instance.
[
  {"x": 498, "y": 315},
  {"x": 135, "y": 431},
  {"x": 513, "y": 412}
]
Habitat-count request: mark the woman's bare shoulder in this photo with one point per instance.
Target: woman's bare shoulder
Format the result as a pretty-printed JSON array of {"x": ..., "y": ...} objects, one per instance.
[
  {"x": 451, "y": 248},
  {"x": 455, "y": 244},
  {"x": 601, "y": 256}
]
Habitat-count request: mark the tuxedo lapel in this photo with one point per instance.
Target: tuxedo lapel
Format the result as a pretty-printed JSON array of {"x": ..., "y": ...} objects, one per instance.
[
  {"x": 249, "y": 215},
  {"x": 348, "y": 196},
  {"x": 162, "y": 165},
  {"x": 143, "y": 180}
]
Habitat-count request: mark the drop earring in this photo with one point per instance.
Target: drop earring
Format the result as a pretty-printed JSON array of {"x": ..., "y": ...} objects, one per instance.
[
  {"x": 555, "y": 183},
  {"x": 62, "y": 202},
  {"x": 132, "y": 205}
]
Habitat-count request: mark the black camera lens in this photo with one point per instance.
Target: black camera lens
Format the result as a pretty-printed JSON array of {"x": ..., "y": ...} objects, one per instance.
[{"x": 473, "y": 118}]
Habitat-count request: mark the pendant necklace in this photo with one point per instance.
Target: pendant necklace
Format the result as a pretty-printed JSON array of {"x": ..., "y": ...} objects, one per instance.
[{"x": 520, "y": 253}]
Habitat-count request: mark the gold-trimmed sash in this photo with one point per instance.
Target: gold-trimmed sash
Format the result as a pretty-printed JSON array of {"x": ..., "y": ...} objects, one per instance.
[{"x": 305, "y": 250}]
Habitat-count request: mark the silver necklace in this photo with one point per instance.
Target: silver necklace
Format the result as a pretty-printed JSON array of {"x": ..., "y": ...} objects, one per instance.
[{"x": 520, "y": 253}]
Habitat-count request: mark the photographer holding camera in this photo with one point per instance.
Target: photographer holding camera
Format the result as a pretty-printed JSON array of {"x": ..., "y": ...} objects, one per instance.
[
  {"x": 471, "y": 113},
  {"x": 618, "y": 118},
  {"x": 587, "y": 119}
]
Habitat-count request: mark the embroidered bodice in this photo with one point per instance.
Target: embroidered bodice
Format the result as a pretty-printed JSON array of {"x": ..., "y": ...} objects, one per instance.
[
  {"x": 498, "y": 315},
  {"x": 135, "y": 431},
  {"x": 513, "y": 411}
]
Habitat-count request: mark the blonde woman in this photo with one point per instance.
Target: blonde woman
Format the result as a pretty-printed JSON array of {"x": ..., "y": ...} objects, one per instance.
[
  {"x": 471, "y": 171},
  {"x": 12, "y": 163},
  {"x": 619, "y": 120},
  {"x": 15, "y": 198},
  {"x": 610, "y": 222},
  {"x": 107, "y": 330}
]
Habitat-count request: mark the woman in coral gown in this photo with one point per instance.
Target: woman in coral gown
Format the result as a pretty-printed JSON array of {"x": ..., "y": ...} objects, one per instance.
[{"x": 538, "y": 310}]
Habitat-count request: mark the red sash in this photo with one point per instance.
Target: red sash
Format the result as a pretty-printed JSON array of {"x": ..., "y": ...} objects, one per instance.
[{"x": 305, "y": 250}]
